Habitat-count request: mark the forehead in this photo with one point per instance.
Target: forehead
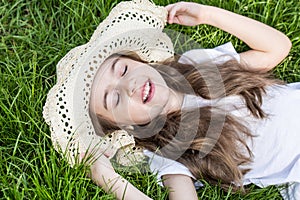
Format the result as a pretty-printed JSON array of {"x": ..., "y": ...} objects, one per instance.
[
  {"x": 107, "y": 63},
  {"x": 102, "y": 75}
]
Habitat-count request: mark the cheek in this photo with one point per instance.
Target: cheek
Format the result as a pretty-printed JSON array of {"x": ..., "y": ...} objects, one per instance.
[
  {"x": 138, "y": 113},
  {"x": 130, "y": 114},
  {"x": 143, "y": 114},
  {"x": 139, "y": 117}
]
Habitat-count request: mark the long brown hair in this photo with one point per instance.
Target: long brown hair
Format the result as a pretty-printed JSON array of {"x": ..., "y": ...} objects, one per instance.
[{"x": 209, "y": 141}]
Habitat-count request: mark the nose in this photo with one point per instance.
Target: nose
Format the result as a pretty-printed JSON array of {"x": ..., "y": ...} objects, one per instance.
[
  {"x": 128, "y": 85},
  {"x": 131, "y": 86}
]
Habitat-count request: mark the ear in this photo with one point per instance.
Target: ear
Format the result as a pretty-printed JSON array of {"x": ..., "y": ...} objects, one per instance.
[{"x": 128, "y": 127}]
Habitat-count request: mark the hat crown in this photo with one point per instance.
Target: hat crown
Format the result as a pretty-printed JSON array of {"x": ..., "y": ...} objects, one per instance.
[
  {"x": 131, "y": 15},
  {"x": 125, "y": 17}
]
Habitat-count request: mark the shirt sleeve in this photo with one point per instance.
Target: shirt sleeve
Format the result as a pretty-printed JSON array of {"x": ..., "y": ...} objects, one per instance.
[
  {"x": 290, "y": 191},
  {"x": 219, "y": 54}
]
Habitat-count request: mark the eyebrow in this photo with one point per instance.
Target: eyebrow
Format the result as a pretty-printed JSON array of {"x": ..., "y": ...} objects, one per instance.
[
  {"x": 114, "y": 64},
  {"x": 106, "y": 91}
]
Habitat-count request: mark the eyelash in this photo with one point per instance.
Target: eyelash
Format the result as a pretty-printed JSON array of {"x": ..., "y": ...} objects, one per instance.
[
  {"x": 118, "y": 95},
  {"x": 125, "y": 70},
  {"x": 118, "y": 99}
]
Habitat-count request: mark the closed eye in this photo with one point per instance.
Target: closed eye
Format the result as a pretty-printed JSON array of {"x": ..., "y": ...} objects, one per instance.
[
  {"x": 118, "y": 99},
  {"x": 113, "y": 99},
  {"x": 125, "y": 70}
]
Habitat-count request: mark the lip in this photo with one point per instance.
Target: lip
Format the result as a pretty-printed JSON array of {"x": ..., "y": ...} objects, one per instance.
[{"x": 151, "y": 91}]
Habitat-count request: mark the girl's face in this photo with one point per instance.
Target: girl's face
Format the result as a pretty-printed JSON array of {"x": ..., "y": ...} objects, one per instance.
[{"x": 129, "y": 92}]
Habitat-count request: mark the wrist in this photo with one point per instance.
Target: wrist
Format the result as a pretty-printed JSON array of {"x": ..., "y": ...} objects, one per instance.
[
  {"x": 211, "y": 15},
  {"x": 205, "y": 14}
]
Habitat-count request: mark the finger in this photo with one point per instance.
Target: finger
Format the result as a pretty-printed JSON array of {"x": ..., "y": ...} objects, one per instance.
[
  {"x": 172, "y": 13},
  {"x": 88, "y": 157},
  {"x": 84, "y": 157},
  {"x": 176, "y": 20},
  {"x": 169, "y": 7},
  {"x": 81, "y": 156}
]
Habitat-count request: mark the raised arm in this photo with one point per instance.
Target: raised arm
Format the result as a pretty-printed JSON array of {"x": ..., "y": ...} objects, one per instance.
[
  {"x": 268, "y": 45},
  {"x": 105, "y": 176}
]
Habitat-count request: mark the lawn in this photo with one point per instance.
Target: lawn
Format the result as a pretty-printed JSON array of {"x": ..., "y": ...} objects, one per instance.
[{"x": 35, "y": 35}]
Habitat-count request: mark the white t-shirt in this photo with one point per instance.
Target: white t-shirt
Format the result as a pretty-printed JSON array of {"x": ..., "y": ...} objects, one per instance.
[{"x": 275, "y": 148}]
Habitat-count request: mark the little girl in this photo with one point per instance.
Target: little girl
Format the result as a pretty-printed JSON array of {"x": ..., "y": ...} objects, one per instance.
[{"x": 223, "y": 119}]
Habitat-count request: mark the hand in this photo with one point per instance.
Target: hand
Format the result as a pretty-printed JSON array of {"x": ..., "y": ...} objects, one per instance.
[
  {"x": 268, "y": 46},
  {"x": 104, "y": 175},
  {"x": 185, "y": 13}
]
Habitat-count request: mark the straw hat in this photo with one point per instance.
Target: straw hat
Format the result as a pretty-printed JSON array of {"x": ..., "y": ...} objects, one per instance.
[{"x": 131, "y": 26}]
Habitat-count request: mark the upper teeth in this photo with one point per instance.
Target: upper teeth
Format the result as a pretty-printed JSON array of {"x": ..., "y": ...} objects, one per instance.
[{"x": 146, "y": 91}]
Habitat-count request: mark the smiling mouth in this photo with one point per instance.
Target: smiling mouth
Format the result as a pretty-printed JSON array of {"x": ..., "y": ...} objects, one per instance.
[{"x": 148, "y": 91}]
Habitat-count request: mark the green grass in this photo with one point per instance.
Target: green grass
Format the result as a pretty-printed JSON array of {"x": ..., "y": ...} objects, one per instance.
[{"x": 34, "y": 37}]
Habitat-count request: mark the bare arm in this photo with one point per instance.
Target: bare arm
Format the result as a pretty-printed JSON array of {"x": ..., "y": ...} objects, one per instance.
[
  {"x": 269, "y": 46},
  {"x": 105, "y": 176},
  {"x": 180, "y": 186}
]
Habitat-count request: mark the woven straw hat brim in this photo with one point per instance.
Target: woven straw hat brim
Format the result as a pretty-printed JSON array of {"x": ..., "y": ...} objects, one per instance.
[{"x": 131, "y": 26}]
